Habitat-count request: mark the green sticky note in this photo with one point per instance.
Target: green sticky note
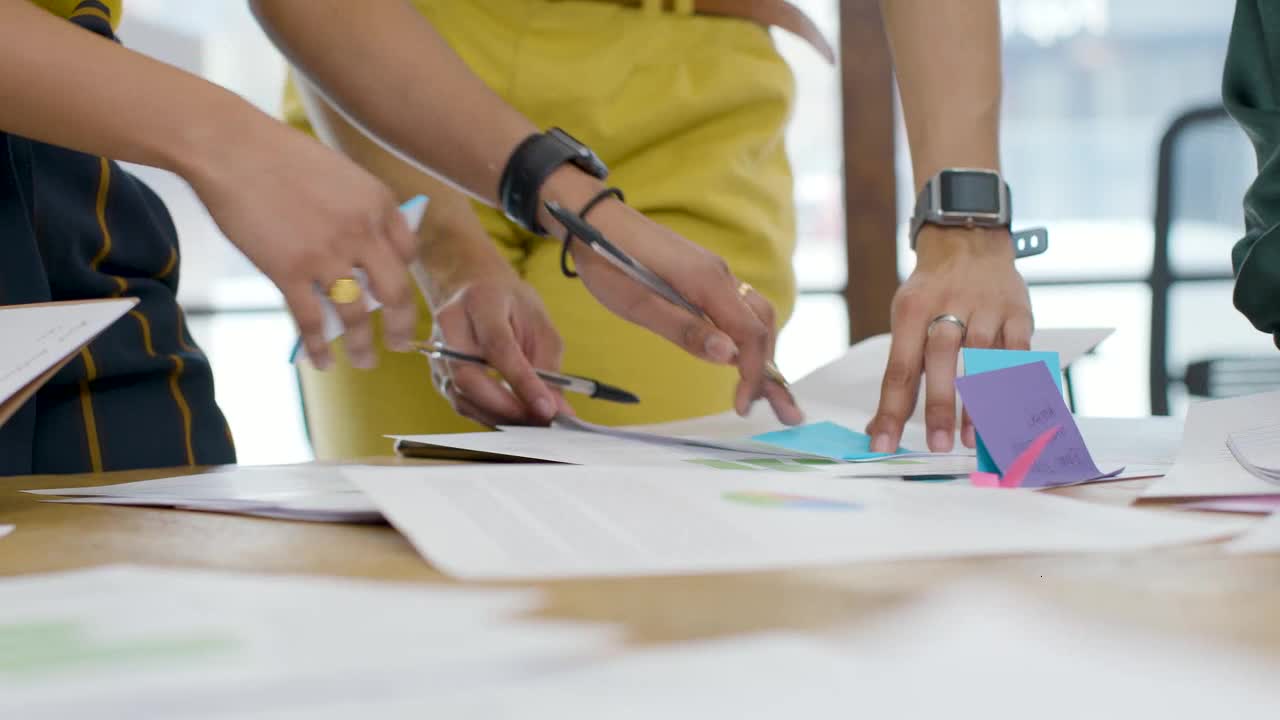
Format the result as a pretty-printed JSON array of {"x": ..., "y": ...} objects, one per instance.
[{"x": 981, "y": 360}]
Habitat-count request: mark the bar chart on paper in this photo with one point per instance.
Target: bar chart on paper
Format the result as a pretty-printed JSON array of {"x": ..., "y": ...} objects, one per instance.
[{"x": 787, "y": 501}]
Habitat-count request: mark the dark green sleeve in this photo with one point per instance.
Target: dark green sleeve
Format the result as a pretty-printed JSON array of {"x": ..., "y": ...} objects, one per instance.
[{"x": 1251, "y": 95}]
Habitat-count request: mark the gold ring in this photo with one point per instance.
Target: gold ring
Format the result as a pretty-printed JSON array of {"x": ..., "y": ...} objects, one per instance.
[
  {"x": 744, "y": 289},
  {"x": 344, "y": 291}
]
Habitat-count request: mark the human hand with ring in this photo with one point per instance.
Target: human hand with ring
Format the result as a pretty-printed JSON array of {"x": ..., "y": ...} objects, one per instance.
[
  {"x": 309, "y": 218},
  {"x": 964, "y": 292}
]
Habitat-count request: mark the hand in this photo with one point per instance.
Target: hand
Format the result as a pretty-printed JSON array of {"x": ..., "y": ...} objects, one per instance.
[
  {"x": 966, "y": 273},
  {"x": 745, "y": 329},
  {"x": 500, "y": 318},
  {"x": 307, "y": 216},
  {"x": 481, "y": 307}
]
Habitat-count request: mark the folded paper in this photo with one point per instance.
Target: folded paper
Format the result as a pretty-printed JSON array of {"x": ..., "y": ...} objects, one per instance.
[
  {"x": 1014, "y": 407},
  {"x": 981, "y": 360}
]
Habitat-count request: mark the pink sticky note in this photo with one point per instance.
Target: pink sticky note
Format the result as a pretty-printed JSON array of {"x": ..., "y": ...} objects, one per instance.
[
  {"x": 984, "y": 479},
  {"x": 1019, "y": 468}
]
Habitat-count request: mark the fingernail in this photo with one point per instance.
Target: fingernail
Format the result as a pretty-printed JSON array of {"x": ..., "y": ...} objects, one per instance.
[
  {"x": 544, "y": 408},
  {"x": 969, "y": 437},
  {"x": 363, "y": 362},
  {"x": 400, "y": 346},
  {"x": 321, "y": 362},
  {"x": 940, "y": 441},
  {"x": 882, "y": 444},
  {"x": 721, "y": 349}
]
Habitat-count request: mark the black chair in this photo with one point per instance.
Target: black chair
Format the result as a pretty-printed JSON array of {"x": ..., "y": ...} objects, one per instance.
[{"x": 1209, "y": 140}]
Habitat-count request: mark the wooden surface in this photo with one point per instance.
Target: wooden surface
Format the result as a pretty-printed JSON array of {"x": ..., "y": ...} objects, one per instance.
[
  {"x": 870, "y": 190},
  {"x": 1194, "y": 591}
]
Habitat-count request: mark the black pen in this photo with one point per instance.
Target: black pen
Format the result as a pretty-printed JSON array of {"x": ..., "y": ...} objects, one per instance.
[{"x": 572, "y": 383}]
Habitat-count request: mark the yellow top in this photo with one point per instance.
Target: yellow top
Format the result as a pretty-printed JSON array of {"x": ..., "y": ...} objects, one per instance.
[{"x": 108, "y": 10}]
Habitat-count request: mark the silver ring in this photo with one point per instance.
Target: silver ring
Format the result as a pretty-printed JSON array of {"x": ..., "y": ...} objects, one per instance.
[
  {"x": 949, "y": 318},
  {"x": 445, "y": 384}
]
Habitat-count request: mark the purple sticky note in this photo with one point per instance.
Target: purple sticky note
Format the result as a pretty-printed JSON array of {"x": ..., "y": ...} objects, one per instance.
[{"x": 1013, "y": 407}]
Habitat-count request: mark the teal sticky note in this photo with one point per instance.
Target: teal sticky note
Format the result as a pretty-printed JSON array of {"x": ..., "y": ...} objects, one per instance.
[
  {"x": 826, "y": 439},
  {"x": 981, "y": 360}
]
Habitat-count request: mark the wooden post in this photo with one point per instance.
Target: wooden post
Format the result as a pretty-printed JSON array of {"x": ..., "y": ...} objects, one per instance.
[{"x": 870, "y": 200}]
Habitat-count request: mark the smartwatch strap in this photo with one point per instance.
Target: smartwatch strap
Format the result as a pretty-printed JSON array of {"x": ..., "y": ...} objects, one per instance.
[
  {"x": 1026, "y": 243},
  {"x": 532, "y": 162}
]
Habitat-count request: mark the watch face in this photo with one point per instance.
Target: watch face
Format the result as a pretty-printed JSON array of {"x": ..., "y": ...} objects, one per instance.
[{"x": 963, "y": 191}]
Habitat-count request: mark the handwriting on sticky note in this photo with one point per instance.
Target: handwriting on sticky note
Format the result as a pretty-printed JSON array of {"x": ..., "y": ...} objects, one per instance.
[
  {"x": 1012, "y": 408},
  {"x": 981, "y": 360},
  {"x": 1017, "y": 472}
]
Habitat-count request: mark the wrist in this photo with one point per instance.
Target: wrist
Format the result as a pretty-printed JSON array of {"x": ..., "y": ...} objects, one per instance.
[
  {"x": 570, "y": 188},
  {"x": 454, "y": 260},
  {"x": 937, "y": 244}
]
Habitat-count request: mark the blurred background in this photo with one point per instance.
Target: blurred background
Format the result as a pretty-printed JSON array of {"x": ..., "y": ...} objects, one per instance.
[{"x": 1091, "y": 88}]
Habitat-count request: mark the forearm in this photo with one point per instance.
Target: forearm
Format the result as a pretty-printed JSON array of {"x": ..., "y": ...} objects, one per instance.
[
  {"x": 947, "y": 57},
  {"x": 54, "y": 76},
  {"x": 431, "y": 110},
  {"x": 452, "y": 244}
]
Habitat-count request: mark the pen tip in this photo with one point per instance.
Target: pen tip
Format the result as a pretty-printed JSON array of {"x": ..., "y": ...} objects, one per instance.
[{"x": 614, "y": 394}]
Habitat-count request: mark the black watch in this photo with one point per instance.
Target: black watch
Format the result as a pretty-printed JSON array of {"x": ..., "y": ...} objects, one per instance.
[{"x": 531, "y": 164}]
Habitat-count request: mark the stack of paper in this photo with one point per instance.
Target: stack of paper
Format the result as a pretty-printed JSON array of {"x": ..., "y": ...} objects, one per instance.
[
  {"x": 1258, "y": 450},
  {"x": 310, "y": 492},
  {"x": 39, "y": 339},
  {"x": 141, "y": 643},
  {"x": 582, "y": 447},
  {"x": 845, "y": 392},
  {"x": 1206, "y": 466},
  {"x": 533, "y": 521}
]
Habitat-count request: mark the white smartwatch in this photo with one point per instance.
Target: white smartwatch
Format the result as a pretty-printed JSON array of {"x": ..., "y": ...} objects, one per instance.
[{"x": 973, "y": 198}]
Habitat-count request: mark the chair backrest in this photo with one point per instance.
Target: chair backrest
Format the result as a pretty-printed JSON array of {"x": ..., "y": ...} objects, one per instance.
[{"x": 1204, "y": 165}]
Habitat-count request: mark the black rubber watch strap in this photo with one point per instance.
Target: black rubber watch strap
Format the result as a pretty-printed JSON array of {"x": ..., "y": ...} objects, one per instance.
[{"x": 532, "y": 162}]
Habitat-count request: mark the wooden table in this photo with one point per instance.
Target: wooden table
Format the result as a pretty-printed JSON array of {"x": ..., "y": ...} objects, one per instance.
[{"x": 1195, "y": 591}]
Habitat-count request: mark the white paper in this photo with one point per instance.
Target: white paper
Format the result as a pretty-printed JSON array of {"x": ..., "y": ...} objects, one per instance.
[
  {"x": 980, "y": 652},
  {"x": 6, "y": 529},
  {"x": 1205, "y": 466},
  {"x": 38, "y": 338},
  {"x": 505, "y": 522},
  {"x": 1114, "y": 442},
  {"x": 748, "y": 446},
  {"x": 585, "y": 448},
  {"x": 1263, "y": 538},
  {"x": 298, "y": 492},
  {"x": 847, "y": 390},
  {"x": 148, "y": 643},
  {"x": 330, "y": 509},
  {"x": 1258, "y": 451}
]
